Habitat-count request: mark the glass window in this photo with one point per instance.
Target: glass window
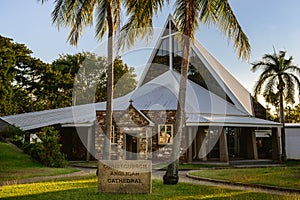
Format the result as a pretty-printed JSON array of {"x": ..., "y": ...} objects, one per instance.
[
  {"x": 165, "y": 135},
  {"x": 113, "y": 137}
]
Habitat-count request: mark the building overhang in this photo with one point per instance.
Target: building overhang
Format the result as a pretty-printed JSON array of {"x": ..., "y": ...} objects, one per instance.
[{"x": 230, "y": 121}]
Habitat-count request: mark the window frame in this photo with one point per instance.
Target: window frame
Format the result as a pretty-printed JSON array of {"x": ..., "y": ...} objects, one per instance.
[
  {"x": 113, "y": 137},
  {"x": 160, "y": 127}
]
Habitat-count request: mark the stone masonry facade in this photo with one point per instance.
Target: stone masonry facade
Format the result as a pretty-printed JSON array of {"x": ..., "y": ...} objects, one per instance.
[{"x": 143, "y": 125}]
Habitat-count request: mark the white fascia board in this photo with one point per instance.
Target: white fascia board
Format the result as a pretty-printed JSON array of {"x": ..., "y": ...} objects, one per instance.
[
  {"x": 77, "y": 125},
  {"x": 229, "y": 124}
]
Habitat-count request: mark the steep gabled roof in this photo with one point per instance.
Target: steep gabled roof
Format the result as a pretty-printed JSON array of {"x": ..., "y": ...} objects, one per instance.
[{"x": 234, "y": 90}]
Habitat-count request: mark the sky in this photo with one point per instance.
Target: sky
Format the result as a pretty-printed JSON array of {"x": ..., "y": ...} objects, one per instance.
[{"x": 267, "y": 23}]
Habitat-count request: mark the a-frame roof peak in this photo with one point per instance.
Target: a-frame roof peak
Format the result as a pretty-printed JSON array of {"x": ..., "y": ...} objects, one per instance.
[{"x": 166, "y": 56}]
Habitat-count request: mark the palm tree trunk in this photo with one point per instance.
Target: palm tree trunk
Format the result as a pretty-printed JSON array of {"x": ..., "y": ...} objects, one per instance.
[
  {"x": 110, "y": 81},
  {"x": 281, "y": 110},
  {"x": 171, "y": 175}
]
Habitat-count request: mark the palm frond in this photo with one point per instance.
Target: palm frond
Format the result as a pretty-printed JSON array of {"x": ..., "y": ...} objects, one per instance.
[
  {"x": 282, "y": 70},
  {"x": 220, "y": 13},
  {"x": 297, "y": 84},
  {"x": 265, "y": 77},
  {"x": 289, "y": 91},
  {"x": 76, "y": 14},
  {"x": 83, "y": 18},
  {"x": 186, "y": 15},
  {"x": 101, "y": 23},
  {"x": 139, "y": 25}
]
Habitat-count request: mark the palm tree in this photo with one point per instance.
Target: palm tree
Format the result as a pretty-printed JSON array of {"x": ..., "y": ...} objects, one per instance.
[
  {"x": 278, "y": 75},
  {"x": 188, "y": 15},
  {"x": 78, "y": 14}
]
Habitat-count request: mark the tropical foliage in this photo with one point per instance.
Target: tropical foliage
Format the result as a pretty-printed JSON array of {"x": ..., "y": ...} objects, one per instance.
[
  {"x": 48, "y": 150},
  {"x": 278, "y": 82},
  {"x": 77, "y": 15},
  {"x": 28, "y": 84}
]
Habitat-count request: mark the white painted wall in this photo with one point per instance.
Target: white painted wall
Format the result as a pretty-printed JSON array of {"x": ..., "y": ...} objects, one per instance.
[{"x": 292, "y": 132}]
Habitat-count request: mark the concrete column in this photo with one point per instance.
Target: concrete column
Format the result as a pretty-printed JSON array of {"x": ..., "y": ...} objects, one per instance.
[
  {"x": 223, "y": 146},
  {"x": 202, "y": 149},
  {"x": 89, "y": 143},
  {"x": 190, "y": 142},
  {"x": 276, "y": 155},
  {"x": 251, "y": 144}
]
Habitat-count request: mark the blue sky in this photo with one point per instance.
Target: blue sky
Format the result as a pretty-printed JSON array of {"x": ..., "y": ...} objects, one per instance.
[{"x": 267, "y": 23}]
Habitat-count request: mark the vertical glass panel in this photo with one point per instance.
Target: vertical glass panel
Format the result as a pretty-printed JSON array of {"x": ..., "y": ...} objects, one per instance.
[
  {"x": 160, "y": 63},
  {"x": 176, "y": 53}
]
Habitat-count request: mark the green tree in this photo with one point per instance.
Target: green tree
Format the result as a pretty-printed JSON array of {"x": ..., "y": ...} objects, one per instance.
[
  {"x": 279, "y": 75},
  {"x": 78, "y": 14},
  {"x": 124, "y": 81},
  {"x": 7, "y": 72},
  {"x": 188, "y": 15},
  {"x": 87, "y": 72},
  {"x": 42, "y": 84},
  {"x": 70, "y": 65},
  {"x": 17, "y": 77}
]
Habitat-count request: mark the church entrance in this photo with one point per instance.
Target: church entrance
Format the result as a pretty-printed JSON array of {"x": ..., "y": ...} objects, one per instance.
[{"x": 131, "y": 147}]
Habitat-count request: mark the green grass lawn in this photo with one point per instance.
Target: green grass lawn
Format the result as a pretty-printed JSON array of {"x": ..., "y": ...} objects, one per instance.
[
  {"x": 287, "y": 176},
  {"x": 15, "y": 165},
  {"x": 86, "y": 188}
]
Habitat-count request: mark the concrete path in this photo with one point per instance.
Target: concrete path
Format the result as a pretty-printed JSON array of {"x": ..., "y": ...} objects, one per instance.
[{"x": 183, "y": 178}]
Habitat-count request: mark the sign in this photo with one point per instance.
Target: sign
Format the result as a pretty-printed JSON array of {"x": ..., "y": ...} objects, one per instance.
[{"x": 125, "y": 176}]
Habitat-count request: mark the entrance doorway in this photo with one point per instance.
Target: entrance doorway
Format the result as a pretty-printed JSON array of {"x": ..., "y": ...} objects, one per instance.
[{"x": 131, "y": 147}]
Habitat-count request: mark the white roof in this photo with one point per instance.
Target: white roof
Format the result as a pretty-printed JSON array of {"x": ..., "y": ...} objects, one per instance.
[
  {"x": 69, "y": 115},
  {"x": 202, "y": 107},
  {"x": 292, "y": 125},
  {"x": 229, "y": 121},
  {"x": 161, "y": 93}
]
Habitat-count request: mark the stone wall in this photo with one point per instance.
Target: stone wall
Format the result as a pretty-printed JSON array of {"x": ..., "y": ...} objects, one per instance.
[
  {"x": 132, "y": 121},
  {"x": 160, "y": 152}
]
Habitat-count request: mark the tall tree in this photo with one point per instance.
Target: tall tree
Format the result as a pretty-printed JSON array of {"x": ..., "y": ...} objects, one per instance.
[
  {"x": 278, "y": 75},
  {"x": 87, "y": 77},
  {"x": 188, "y": 15},
  {"x": 78, "y": 14},
  {"x": 7, "y": 61},
  {"x": 18, "y": 77}
]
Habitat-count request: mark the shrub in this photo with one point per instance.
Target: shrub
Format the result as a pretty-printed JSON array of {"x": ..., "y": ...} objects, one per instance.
[
  {"x": 14, "y": 134},
  {"x": 48, "y": 152}
]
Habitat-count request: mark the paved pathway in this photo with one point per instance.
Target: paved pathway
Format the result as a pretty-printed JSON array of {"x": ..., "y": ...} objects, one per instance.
[{"x": 183, "y": 178}]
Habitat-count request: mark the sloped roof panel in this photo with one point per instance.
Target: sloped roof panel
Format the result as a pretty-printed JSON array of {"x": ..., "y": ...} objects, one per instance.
[
  {"x": 68, "y": 115},
  {"x": 162, "y": 94},
  {"x": 229, "y": 121},
  {"x": 235, "y": 87}
]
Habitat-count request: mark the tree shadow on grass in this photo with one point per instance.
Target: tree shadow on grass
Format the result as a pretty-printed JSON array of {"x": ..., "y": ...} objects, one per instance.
[{"x": 87, "y": 189}]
